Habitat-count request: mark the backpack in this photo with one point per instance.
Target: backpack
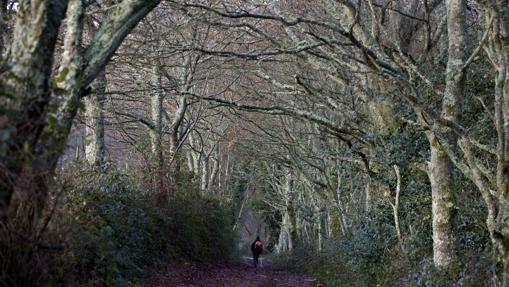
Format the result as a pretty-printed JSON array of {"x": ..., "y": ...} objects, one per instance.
[{"x": 258, "y": 247}]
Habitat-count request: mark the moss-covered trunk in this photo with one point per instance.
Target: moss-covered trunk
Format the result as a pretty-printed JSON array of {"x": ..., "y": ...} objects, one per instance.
[
  {"x": 156, "y": 134},
  {"x": 441, "y": 178},
  {"x": 441, "y": 173},
  {"x": 94, "y": 148},
  {"x": 38, "y": 107}
]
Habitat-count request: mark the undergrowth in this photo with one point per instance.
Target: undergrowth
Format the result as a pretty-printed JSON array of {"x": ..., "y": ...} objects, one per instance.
[{"x": 111, "y": 230}]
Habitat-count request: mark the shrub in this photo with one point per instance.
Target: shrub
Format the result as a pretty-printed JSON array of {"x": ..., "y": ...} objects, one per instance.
[
  {"x": 201, "y": 228},
  {"x": 329, "y": 267},
  {"x": 113, "y": 230},
  {"x": 370, "y": 254}
]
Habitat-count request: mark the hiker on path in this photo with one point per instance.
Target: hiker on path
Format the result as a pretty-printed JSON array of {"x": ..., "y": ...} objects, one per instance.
[{"x": 257, "y": 249}]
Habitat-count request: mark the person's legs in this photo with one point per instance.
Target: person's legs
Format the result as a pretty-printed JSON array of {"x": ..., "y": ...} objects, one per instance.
[{"x": 255, "y": 260}]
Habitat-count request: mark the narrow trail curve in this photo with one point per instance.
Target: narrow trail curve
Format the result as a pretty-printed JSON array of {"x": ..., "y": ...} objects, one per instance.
[{"x": 192, "y": 275}]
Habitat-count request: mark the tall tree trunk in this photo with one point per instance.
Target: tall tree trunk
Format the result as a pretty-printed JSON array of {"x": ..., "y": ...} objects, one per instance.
[
  {"x": 367, "y": 198},
  {"x": 285, "y": 243},
  {"x": 175, "y": 131},
  {"x": 3, "y": 26},
  {"x": 395, "y": 207},
  {"x": 441, "y": 173},
  {"x": 190, "y": 161},
  {"x": 94, "y": 116},
  {"x": 176, "y": 124},
  {"x": 498, "y": 205},
  {"x": 40, "y": 130},
  {"x": 156, "y": 131},
  {"x": 214, "y": 172},
  {"x": 204, "y": 174},
  {"x": 31, "y": 53},
  {"x": 94, "y": 130},
  {"x": 287, "y": 234},
  {"x": 322, "y": 226},
  {"x": 442, "y": 203}
]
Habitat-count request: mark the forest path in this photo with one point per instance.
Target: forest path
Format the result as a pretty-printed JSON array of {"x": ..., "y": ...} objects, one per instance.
[{"x": 194, "y": 275}]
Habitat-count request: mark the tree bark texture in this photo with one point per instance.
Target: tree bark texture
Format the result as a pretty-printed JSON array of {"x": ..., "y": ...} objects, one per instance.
[
  {"x": 441, "y": 172},
  {"x": 156, "y": 132},
  {"x": 94, "y": 130},
  {"x": 42, "y": 106},
  {"x": 27, "y": 81},
  {"x": 498, "y": 204},
  {"x": 287, "y": 234}
]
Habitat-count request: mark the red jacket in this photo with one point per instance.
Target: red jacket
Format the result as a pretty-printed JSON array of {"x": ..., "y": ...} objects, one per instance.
[{"x": 257, "y": 249}]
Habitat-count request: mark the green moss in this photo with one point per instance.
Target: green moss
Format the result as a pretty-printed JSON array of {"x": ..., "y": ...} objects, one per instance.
[
  {"x": 506, "y": 189},
  {"x": 435, "y": 143},
  {"x": 61, "y": 76},
  {"x": 442, "y": 154}
]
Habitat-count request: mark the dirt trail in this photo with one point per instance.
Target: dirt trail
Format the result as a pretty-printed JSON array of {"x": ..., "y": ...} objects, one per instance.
[{"x": 192, "y": 275}]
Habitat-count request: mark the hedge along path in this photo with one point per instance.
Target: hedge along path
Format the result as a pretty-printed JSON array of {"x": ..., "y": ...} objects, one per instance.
[{"x": 193, "y": 275}]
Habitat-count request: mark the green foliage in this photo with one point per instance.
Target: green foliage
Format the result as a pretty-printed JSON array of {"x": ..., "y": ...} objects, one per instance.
[
  {"x": 369, "y": 255},
  {"x": 113, "y": 230},
  {"x": 329, "y": 266},
  {"x": 355, "y": 259},
  {"x": 201, "y": 228}
]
